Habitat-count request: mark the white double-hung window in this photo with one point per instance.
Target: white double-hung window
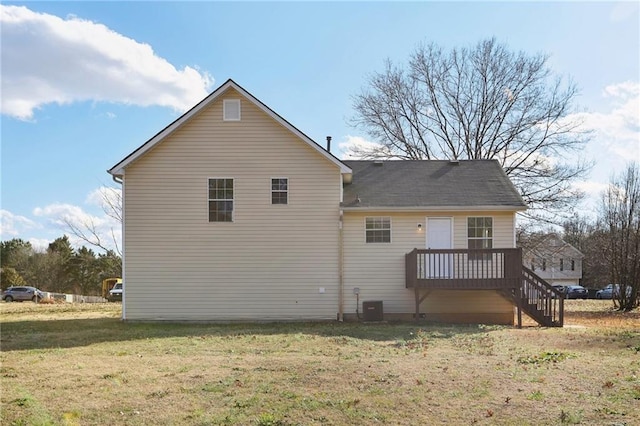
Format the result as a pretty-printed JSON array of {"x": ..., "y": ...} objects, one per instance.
[
  {"x": 221, "y": 200},
  {"x": 378, "y": 229}
]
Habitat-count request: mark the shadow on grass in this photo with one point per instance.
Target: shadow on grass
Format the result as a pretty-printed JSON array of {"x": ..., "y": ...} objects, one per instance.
[{"x": 51, "y": 334}]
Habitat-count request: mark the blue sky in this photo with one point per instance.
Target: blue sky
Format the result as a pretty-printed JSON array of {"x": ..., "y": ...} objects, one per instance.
[{"x": 85, "y": 83}]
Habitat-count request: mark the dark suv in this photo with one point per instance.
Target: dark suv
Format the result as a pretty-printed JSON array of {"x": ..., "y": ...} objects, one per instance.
[{"x": 20, "y": 294}]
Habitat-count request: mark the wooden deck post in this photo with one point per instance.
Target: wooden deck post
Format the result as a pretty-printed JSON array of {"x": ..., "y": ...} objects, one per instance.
[
  {"x": 417, "y": 294},
  {"x": 519, "y": 307}
]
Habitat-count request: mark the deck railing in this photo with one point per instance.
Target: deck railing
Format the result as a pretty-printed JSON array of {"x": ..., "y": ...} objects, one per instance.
[
  {"x": 486, "y": 269},
  {"x": 541, "y": 301},
  {"x": 464, "y": 268}
]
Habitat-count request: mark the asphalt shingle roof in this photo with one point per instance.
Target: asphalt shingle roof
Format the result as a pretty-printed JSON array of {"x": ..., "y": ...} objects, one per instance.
[{"x": 430, "y": 184}]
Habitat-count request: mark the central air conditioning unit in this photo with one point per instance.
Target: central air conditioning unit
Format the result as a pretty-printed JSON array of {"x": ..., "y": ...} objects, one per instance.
[{"x": 372, "y": 310}]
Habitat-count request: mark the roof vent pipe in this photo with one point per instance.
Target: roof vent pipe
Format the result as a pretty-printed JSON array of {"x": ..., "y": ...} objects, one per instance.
[{"x": 328, "y": 143}]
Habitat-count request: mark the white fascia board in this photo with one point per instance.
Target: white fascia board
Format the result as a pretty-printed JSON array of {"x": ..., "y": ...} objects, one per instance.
[{"x": 118, "y": 169}]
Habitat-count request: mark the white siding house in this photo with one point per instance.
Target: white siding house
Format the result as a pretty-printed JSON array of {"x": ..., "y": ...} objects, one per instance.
[
  {"x": 233, "y": 214},
  {"x": 553, "y": 259},
  {"x": 271, "y": 261}
]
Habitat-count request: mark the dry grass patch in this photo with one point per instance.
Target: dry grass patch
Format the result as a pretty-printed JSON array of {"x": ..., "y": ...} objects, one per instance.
[
  {"x": 599, "y": 313},
  {"x": 78, "y": 364}
]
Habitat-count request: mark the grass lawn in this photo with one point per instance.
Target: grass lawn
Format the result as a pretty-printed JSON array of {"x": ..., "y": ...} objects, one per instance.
[{"x": 80, "y": 365}]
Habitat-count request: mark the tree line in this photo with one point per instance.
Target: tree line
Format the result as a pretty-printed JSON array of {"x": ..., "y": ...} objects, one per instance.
[
  {"x": 611, "y": 242},
  {"x": 59, "y": 268}
]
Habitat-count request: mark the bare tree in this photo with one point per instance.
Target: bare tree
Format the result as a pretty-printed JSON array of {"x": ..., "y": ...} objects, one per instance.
[
  {"x": 621, "y": 218},
  {"x": 92, "y": 232},
  {"x": 591, "y": 239},
  {"x": 486, "y": 102}
]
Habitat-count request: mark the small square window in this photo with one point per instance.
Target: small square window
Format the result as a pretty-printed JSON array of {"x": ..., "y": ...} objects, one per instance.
[
  {"x": 378, "y": 229},
  {"x": 279, "y": 191},
  {"x": 231, "y": 110}
]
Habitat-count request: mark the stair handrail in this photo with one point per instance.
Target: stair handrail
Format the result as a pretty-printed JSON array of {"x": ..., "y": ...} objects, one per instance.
[{"x": 548, "y": 300}]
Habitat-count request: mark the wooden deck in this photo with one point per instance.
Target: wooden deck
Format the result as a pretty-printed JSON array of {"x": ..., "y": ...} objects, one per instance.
[
  {"x": 486, "y": 269},
  {"x": 461, "y": 269}
]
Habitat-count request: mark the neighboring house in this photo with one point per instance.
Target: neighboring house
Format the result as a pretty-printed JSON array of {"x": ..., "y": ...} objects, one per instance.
[
  {"x": 554, "y": 260},
  {"x": 231, "y": 213}
]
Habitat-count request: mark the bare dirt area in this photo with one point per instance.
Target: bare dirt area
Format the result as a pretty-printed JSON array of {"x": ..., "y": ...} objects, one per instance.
[{"x": 81, "y": 365}]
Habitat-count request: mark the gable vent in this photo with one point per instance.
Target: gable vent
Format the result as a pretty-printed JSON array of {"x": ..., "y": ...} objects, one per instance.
[
  {"x": 378, "y": 163},
  {"x": 231, "y": 110}
]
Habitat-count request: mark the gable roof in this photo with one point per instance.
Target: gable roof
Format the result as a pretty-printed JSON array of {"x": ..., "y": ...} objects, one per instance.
[
  {"x": 430, "y": 185},
  {"x": 550, "y": 245},
  {"x": 118, "y": 169}
]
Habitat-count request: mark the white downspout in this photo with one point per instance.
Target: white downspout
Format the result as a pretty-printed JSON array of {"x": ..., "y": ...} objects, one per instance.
[{"x": 341, "y": 267}]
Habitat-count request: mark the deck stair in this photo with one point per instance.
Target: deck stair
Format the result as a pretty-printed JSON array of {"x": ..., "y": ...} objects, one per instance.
[
  {"x": 485, "y": 269},
  {"x": 540, "y": 300}
]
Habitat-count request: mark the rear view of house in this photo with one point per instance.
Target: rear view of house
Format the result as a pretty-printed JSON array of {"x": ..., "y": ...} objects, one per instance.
[
  {"x": 394, "y": 210},
  {"x": 233, "y": 214}
]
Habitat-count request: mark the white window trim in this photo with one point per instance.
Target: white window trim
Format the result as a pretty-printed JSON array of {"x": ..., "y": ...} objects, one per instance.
[
  {"x": 271, "y": 190},
  {"x": 493, "y": 228},
  {"x": 233, "y": 212},
  {"x": 226, "y": 102},
  {"x": 390, "y": 229}
]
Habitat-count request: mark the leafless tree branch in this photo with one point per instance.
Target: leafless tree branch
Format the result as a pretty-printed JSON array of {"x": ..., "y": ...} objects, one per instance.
[{"x": 484, "y": 102}]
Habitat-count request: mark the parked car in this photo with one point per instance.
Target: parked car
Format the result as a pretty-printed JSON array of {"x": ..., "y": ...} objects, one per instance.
[
  {"x": 22, "y": 293},
  {"x": 610, "y": 291},
  {"x": 605, "y": 293},
  {"x": 576, "y": 292},
  {"x": 115, "y": 294}
]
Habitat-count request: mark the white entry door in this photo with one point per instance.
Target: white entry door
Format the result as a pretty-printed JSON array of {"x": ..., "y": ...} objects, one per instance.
[{"x": 439, "y": 237}]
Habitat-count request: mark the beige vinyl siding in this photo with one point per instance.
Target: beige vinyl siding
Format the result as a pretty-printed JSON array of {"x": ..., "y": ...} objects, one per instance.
[
  {"x": 269, "y": 263},
  {"x": 553, "y": 274},
  {"x": 378, "y": 270}
]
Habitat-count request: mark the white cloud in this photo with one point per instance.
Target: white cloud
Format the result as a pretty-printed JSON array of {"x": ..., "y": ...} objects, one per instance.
[
  {"x": 58, "y": 213},
  {"x": 12, "y": 225},
  {"x": 591, "y": 188},
  {"x": 625, "y": 90},
  {"x": 105, "y": 194},
  {"x": 47, "y": 59},
  {"x": 103, "y": 229},
  {"x": 353, "y": 147},
  {"x": 615, "y": 139},
  {"x": 617, "y": 130},
  {"x": 40, "y": 244},
  {"x": 622, "y": 11}
]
